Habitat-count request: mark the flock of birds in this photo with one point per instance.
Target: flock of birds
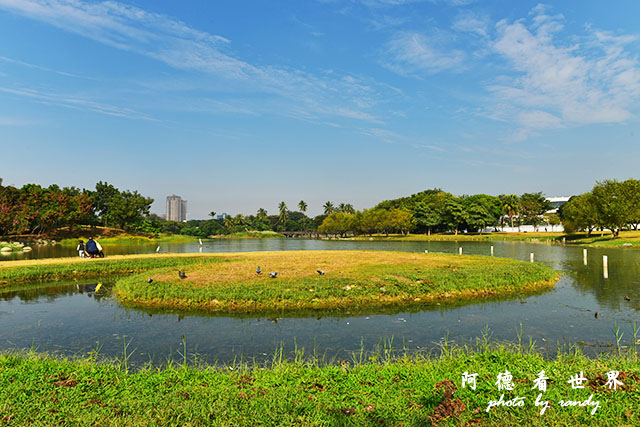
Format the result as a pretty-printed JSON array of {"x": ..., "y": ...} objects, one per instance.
[{"x": 273, "y": 274}]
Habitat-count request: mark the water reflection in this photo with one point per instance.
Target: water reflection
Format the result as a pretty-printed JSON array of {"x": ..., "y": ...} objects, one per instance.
[{"x": 63, "y": 317}]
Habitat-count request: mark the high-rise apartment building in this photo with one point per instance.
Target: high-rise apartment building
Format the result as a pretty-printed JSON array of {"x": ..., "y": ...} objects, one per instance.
[{"x": 176, "y": 208}]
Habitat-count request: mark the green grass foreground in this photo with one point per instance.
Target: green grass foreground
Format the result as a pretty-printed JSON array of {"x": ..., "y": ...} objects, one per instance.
[
  {"x": 353, "y": 280},
  {"x": 409, "y": 391}
]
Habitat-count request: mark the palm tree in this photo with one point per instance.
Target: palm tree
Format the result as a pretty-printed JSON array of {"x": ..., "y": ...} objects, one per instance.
[
  {"x": 302, "y": 206},
  {"x": 346, "y": 208},
  {"x": 510, "y": 206},
  {"x": 328, "y": 208},
  {"x": 282, "y": 207},
  {"x": 262, "y": 214}
]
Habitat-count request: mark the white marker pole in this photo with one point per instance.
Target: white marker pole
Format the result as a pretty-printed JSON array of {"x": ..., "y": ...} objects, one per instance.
[
  {"x": 460, "y": 250},
  {"x": 491, "y": 250},
  {"x": 605, "y": 266},
  {"x": 531, "y": 257},
  {"x": 584, "y": 256}
]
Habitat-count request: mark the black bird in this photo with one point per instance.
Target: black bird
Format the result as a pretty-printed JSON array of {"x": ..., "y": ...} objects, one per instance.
[
  {"x": 258, "y": 271},
  {"x": 150, "y": 280},
  {"x": 320, "y": 272},
  {"x": 181, "y": 274},
  {"x": 273, "y": 274}
]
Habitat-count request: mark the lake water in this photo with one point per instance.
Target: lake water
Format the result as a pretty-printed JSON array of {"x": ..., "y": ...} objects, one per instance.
[{"x": 59, "y": 317}]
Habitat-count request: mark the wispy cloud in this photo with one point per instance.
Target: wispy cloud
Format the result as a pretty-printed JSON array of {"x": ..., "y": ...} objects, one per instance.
[
  {"x": 13, "y": 121},
  {"x": 39, "y": 67},
  {"x": 76, "y": 103},
  {"x": 555, "y": 84},
  {"x": 414, "y": 53},
  {"x": 179, "y": 46}
]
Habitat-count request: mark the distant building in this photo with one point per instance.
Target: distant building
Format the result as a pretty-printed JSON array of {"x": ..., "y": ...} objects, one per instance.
[
  {"x": 556, "y": 202},
  {"x": 222, "y": 215},
  {"x": 176, "y": 209}
]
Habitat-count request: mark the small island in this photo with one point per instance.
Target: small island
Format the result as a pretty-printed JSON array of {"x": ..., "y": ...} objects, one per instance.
[{"x": 329, "y": 280}]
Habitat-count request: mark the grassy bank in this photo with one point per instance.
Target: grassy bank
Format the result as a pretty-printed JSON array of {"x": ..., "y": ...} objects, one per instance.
[
  {"x": 352, "y": 280},
  {"x": 12, "y": 272},
  {"x": 605, "y": 239},
  {"x": 368, "y": 390},
  {"x": 465, "y": 237},
  {"x": 130, "y": 239}
]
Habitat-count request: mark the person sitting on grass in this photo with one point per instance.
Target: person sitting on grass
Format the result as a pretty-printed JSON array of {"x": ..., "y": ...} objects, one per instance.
[
  {"x": 91, "y": 248},
  {"x": 100, "y": 252},
  {"x": 80, "y": 249}
]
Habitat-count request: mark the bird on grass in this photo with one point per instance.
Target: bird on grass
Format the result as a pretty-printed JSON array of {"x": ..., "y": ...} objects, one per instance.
[
  {"x": 150, "y": 280},
  {"x": 320, "y": 272},
  {"x": 273, "y": 274},
  {"x": 181, "y": 274},
  {"x": 258, "y": 271}
]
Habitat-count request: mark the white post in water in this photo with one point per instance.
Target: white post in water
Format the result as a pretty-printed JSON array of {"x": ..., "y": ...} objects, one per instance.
[
  {"x": 531, "y": 257},
  {"x": 491, "y": 250},
  {"x": 584, "y": 256},
  {"x": 460, "y": 250},
  {"x": 605, "y": 266}
]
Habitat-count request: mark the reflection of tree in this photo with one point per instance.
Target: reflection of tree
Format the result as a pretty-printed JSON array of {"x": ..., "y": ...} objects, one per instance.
[
  {"x": 45, "y": 293},
  {"x": 624, "y": 278}
]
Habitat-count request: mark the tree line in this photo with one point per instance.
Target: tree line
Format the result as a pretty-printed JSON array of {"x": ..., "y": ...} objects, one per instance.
[
  {"x": 33, "y": 209},
  {"x": 611, "y": 205}
]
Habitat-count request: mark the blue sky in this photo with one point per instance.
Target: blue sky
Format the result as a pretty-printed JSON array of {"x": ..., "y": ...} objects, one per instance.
[{"x": 237, "y": 105}]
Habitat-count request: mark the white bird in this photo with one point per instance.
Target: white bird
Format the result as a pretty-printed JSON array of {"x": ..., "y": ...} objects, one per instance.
[
  {"x": 320, "y": 272},
  {"x": 200, "y": 240},
  {"x": 273, "y": 274},
  {"x": 158, "y": 249}
]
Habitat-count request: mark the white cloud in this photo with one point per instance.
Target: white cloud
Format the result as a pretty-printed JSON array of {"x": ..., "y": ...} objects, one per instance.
[
  {"x": 472, "y": 22},
  {"x": 415, "y": 53},
  {"x": 555, "y": 84}
]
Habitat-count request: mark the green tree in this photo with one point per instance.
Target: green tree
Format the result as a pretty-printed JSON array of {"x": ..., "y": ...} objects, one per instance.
[
  {"x": 533, "y": 206},
  {"x": 302, "y": 206},
  {"x": 328, "y": 208},
  {"x": 510, "y": 206},
  {"x": 579, "y": 213},
  {"x": 282, "y": 217},
  {"x": 346, "y": 208},
  {"x": 613, "y": 204},
  {"x": 454, "y": 214}
]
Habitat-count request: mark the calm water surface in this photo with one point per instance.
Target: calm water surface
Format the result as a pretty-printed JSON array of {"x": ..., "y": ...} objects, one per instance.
[{"x": 60, "y": 317}]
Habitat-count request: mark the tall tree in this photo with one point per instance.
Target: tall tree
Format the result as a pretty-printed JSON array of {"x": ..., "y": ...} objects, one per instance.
[
  {"x": 282, "y": 217},
  {"x": 261, "y": 214},
  {"x": 302, "y": 206},
  {"x": 613, "y": 204},
  {"x": 510, "y": 206}
]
